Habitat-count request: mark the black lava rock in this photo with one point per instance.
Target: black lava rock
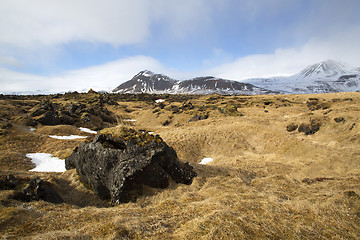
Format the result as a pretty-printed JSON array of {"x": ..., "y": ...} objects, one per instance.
[
  {"x": 309, "y": 129},
  {"x": 291, "y": 127},
  {"x": 8, "y": 182},
  {"x": 339, "y": 119},
  {"x": 36, "y": 190},
  {"x": 114, "y": 166},
  {"x": 50, "y": 118},
  {"x": 198, "y": 117}
]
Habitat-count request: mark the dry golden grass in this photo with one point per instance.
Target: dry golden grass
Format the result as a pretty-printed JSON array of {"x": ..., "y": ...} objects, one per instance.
[{"x": 264, "y": 182}]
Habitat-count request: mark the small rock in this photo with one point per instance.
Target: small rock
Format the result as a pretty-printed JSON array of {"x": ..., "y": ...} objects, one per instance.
[
  {"x": 291, "y": 127},
  {"x": 351, "y": 194},
  {"x": 8, "y": 182},
  {"x": 339, "y": 119},
  {"x": 318, "y": 179},
  {"x": 167, "y": 122},
  {"x": 161, "y": 105},
  {"x": 198, "y": 117},
  {"x": 309, "y": 129},
  {"x": 36, "y": 190}
]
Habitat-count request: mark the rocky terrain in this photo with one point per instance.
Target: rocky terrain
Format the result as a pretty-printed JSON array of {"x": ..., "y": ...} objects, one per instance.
[{"x": 277, "y": 166}]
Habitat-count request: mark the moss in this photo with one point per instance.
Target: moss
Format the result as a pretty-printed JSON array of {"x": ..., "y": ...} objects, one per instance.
[
  {"x": 128, "y": 134},
  {"x": 3, "y": 132},
  {"x": 230, "y": 110}
]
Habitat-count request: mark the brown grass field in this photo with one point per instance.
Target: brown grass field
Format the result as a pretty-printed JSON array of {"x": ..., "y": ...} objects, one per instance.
[{"x": 264, "y": 182}]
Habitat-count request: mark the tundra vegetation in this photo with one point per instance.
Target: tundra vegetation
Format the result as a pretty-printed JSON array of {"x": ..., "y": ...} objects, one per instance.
[{"x": 283, "y": 166}]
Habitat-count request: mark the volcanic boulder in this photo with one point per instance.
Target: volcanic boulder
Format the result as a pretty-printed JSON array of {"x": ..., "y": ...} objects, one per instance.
[
  {"x": 310, "y": 128},
  {"x": 114, "y": 165},
  {"x": 8, "y": 182},
  {"x": 36, "y": 190}
]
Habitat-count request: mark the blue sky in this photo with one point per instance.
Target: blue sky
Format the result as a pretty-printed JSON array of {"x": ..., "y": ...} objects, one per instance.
[{"x": 76, "y": 45}]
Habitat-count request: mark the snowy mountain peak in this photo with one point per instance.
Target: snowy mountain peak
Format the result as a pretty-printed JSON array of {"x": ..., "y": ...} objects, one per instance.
[
  {"x": 325, "y": 69},
  {"x": 147, "y": 73},
  {"x": 149, "y": 82},
  {"x": 324, "y": 77}
]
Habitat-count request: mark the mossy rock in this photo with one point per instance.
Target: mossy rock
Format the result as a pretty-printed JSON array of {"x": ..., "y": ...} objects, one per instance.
[
  {"x": 291, "y": 127},
  {"x": 129, "y": 134},
  {"x": 230, "y": 110}
]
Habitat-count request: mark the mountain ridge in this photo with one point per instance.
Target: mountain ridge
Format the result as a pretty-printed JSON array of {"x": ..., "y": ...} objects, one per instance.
[
  {"x": 148, "y": 82},
  {"x": 323, "y": 77}
]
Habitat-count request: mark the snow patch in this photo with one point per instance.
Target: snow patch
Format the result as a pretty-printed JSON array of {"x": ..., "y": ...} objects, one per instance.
[
  {"x": 147, "y": 73},
  {"x": 87, "y": 130},
  {"x": 206, "y": 161},
  {"x": 32, "y": 129},
  {"x": 129, "y": 120},
  {"x": 160, "y": 100},
  {"x": 67, "y": 137},
  {"x": 45, "y": 162}
]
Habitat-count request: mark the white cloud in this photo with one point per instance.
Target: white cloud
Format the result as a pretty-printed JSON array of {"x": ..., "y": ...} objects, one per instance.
[
  {"x": 9, "y": 61},
  {"x": 107, "y": 76},
  {"x": 219, "y": 56},
  {"x": 284, "y": 61},
  {"x": 41, "y": 22},
  {"x": 102, "y": 77},
  {"x": 11, "y": 81},
  {"x": 33, "y": 33},
  {"x": 182, "y": 18},
  {"x": 288, "y": 61}
]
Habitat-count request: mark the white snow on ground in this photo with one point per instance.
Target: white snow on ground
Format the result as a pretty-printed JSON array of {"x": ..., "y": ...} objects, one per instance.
[
  {"x": 45, "y": 162},
  {"x": 130, "y": 120},
  {"x": 159, "y": 100},
  {"x": 32, "y": 129},
  {"x": 67, "y": 137},
  {"x": 151, "y": 132},
  {"x": 206, "y": 161},
  {"x": 87, "y": 130}
]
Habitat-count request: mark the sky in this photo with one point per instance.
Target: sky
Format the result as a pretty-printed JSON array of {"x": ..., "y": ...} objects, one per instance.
[{"x": 61, "y": 46}]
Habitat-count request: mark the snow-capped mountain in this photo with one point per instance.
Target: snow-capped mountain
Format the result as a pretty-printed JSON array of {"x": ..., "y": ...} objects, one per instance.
[
  {"x": 146, "y": 82},
  {"x": 323, "y": 77},
  {"x": 149, "y": 82}
]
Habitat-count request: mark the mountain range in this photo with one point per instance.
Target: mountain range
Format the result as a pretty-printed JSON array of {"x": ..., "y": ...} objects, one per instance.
[
  {"x": 323, "y": 77},
  {"x": 149, "y": 82}
]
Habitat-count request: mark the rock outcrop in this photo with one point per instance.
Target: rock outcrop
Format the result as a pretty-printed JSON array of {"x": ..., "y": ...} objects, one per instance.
[
  {"x": 35, "y": 190},
  {"x": 91, "y": 114},
  {"x": 8, "y": 182},
  {"x": 116, "y": 163},
  {"x": 310, "y": 128}
]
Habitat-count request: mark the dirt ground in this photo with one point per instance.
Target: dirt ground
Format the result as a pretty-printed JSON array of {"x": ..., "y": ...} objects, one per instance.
[{"x": 267, "y": 180}]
